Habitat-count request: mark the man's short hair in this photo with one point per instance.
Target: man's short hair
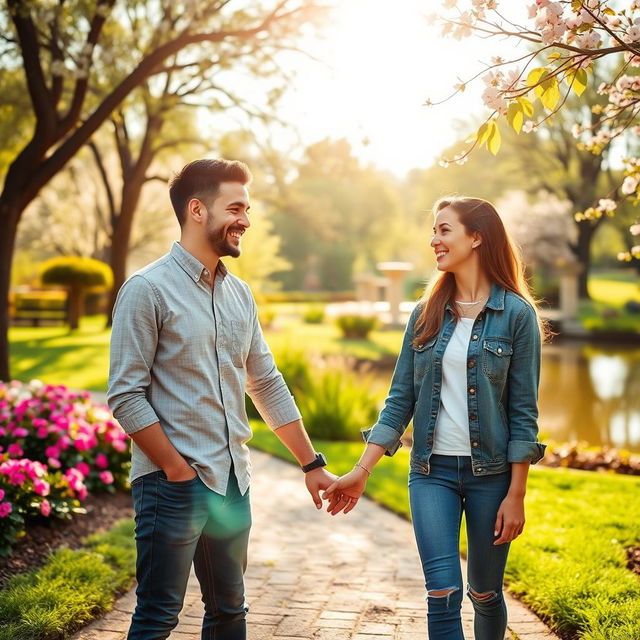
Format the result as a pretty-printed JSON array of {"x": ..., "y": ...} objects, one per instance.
[{"x": 201, "y": 179}]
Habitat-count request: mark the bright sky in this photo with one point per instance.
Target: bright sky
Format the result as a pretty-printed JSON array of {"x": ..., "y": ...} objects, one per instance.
[{"x": 385, "y": 60}]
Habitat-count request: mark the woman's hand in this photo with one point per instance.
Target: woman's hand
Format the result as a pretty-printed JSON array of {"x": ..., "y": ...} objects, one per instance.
[
  {"x": 344, "y": 493},
  {"x": 510, "y": 519}
]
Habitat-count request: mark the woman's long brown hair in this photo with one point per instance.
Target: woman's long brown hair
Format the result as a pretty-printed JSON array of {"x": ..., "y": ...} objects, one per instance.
[{"x": 499, "y": 259}]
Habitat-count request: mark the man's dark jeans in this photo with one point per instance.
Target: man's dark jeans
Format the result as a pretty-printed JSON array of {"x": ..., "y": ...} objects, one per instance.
[{"x": 178, "y": 523}]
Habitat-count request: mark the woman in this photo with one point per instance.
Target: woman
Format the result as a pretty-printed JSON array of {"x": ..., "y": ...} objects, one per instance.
[{"x": 468, "y": 374}]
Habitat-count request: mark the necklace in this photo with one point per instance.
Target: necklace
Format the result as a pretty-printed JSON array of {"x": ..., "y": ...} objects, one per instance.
[
  {"x": 469, "y": 307},
  {"x": 470, "y": 304}
]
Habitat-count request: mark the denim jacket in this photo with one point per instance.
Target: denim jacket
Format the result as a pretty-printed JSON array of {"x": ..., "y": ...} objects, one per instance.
[{"x": 503, "y": 371}]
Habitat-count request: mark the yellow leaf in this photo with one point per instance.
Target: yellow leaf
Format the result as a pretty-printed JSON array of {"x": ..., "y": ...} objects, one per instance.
[
  {"x": 535, "y": 75},
  {"x": 483, "y": 133},
  {"x": 553, "y": 56},
  {"x": 494, "y": 140},
  {"x": 527, "y": 107},
  {"x": 580, "y": 80},
  {"x": 515, "y": 116}
]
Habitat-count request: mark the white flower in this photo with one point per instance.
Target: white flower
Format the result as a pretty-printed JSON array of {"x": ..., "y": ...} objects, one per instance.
[
  {"x": 606, "y": 205},
  {"x": 528, "y": 126},
  {"x": 632, "y": 35},
  {"x": 629, "y": 186},
  {"x": 35, "y": 385},
  {"x": 635, "y": 229}
]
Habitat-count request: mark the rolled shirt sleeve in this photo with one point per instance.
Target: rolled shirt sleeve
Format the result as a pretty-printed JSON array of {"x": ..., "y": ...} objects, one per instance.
[
  {"x": 523, "y": 381},
  {"x": 134, "y": 339}
]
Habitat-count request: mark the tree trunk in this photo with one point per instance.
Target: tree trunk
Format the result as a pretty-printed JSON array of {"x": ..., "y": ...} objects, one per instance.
[
  {"x": 76, "y": 297},
  {"x": 582, "y": 251},
  {"x": 9, "y": 215},
  {"x": 121, "y": 236}
]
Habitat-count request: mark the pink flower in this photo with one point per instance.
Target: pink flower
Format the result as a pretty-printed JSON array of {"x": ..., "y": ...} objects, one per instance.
[
  {"x": 83, "y": 468},
  {"x": 81, "y": 443},
  {"x": 41, "y": 487},
  {"x": 54, "y": 462},
  {"x": 5, "y": 509},
  {"x": 119, "y": 445},
  {"x": 45, "y": 508},
  {"x": 20, "y": 432},
  {"x": 106, "y": 477},
  {"x": 102, "y": 461},
  {"x": 52, "y": 452},
  {"x": 15, "y": 450},
  {"x": 42, "y": 432},
  {"x": 1, "y": 495}
]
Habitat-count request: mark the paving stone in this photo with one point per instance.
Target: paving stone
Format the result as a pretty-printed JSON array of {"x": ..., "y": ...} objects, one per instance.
[{"x": 313, "y": 577}]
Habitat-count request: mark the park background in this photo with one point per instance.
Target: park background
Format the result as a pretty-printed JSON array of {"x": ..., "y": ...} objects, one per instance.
[{"x": 328, "y": 110}]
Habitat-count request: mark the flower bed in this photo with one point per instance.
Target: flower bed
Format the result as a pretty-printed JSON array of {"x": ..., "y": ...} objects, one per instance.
[{"x": 56, "y": 446}]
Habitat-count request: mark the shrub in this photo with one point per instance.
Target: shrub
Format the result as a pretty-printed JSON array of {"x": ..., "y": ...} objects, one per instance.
[
  {"x": 266, "y": 316},
  {"x": 55, "y": 447},
  {"x": 313, "y": 314},
  {"x": 356, "y": 326},
  {"x": 77, "y": 275},
  {"x": 337, "y": 405}
]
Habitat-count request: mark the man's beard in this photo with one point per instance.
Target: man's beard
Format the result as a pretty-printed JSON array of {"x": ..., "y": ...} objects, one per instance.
[{"x": 219, "y": 241}]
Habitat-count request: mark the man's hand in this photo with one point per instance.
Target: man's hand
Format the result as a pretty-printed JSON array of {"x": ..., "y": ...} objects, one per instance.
[
  {"x": 345, "y": 492},
  {"x": 182, "y": 473},
  {"x": 317, "y": 480}
]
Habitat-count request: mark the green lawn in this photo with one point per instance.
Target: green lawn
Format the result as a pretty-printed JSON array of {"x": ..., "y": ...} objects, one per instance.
[
  {"x": 569, "y": 564},
  {"x": 72, "y": 587},
  {"x": 610, "y": 291}
]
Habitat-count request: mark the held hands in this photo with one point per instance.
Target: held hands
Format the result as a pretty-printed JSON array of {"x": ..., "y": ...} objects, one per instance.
[
  {"x": 343, "y": 494},
  {"x": 317, "y": 480}
]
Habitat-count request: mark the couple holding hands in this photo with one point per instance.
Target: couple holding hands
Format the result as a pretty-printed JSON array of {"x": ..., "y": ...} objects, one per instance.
[{"x": 186, "y": 346}]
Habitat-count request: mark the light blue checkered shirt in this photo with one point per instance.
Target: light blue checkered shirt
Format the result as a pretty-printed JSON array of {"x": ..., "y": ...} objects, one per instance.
[{"x": 183, "y": 354}]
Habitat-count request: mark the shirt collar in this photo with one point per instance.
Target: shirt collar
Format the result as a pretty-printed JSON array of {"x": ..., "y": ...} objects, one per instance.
[{"x": 192, "y": 266}]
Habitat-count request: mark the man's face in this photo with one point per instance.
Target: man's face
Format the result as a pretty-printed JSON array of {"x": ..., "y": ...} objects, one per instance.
[{"x": 227, "y": 219}]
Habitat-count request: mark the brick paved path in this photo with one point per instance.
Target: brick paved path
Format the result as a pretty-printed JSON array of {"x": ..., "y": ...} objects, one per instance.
[{"x": 311, "y": 576}]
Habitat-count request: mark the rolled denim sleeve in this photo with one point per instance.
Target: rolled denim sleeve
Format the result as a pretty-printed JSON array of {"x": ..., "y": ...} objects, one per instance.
[
  {"x": 400, "y": 403},
  {"x": 523, "y": 381},
  {"x": 265, "y": 384},
  {"x": 134, "y": 339}
]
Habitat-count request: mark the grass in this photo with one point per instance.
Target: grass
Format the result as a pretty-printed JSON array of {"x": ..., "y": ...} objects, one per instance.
[
  {"x": 569, "y": 564},
  {"x": 70, "y": 589}
]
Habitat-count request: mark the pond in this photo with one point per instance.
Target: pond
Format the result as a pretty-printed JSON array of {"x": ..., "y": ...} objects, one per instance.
[{"x": 591, "y": 393}]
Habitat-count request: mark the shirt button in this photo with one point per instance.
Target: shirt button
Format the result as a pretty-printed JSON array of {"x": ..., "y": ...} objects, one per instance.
[
  {"x": 474, "y": 336},
  {"x": 472, "y": 390}
]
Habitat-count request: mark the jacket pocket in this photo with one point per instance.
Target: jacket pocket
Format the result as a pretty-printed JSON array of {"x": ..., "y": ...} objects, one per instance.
[
  {"x": 496, "y": 356},
  {"x": 423, "y": 357}
]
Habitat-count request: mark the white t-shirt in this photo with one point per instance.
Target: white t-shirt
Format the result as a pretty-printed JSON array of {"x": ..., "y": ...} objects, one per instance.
[{"x": 452, "y": 426}]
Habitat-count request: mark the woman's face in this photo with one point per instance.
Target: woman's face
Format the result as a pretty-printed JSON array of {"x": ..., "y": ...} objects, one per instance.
[{"x": 453, "y": 246}]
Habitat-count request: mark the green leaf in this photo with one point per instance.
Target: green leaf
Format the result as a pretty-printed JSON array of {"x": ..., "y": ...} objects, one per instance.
[
  {"x": 535, "y": 76},
  {"x": 515, "y": 116},
  {"x": 527, "y": 107},
  {"x": 494, "y": 140}
]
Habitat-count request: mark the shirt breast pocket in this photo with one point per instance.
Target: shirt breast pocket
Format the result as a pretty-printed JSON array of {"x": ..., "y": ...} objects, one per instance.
[
  {"x": 240, "y": 342},
  {"x": 423, "y": 357},
  {"x": 496, "y": 356}
]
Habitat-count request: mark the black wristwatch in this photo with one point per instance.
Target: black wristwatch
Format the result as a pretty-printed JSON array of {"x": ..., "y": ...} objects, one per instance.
[{"x": 319, "y": 461}]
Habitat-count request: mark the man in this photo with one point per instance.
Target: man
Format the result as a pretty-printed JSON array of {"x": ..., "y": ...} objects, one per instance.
[{"x": 186, "y": 343}]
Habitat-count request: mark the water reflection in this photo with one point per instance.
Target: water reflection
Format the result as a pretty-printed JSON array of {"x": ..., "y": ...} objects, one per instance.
[{"x": 591, "y": 393}]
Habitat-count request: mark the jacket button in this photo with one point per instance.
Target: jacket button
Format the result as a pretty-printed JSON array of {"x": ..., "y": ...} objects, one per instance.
[
  {"x": 475, "y": 444},
  {"x": 499, "y": 349},
  {"x": 472, "y": 416},
  {"x": 472, "y": 390},
  {"x": 479, "y": 469},
  {"x": 471, "y": 364},
  {"x": 474, "y": 336},
  {"x": 420, "y": 346}
]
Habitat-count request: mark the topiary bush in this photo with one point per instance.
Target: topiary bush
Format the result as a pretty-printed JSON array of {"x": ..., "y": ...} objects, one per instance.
[
  {"x": 77, "y": 275},
  {"x": 356, "y": 326},
  {"x": 313, "y": 314}
]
